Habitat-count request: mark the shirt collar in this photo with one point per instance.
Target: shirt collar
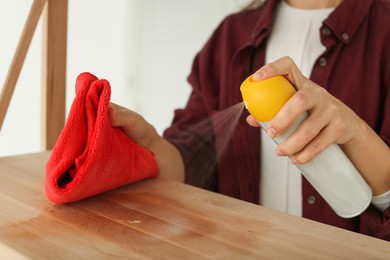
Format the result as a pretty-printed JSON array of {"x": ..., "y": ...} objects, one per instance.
[
  {"x": 264, "y": 23},
  {"x": 343, "y": 21}
]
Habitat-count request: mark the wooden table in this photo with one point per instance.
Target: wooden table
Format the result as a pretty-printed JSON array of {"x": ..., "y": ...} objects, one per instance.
[{"x": 157, "y": 219}]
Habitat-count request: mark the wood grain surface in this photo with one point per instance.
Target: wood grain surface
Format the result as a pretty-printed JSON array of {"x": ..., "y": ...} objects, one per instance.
[{"x": 157, "y": 219}]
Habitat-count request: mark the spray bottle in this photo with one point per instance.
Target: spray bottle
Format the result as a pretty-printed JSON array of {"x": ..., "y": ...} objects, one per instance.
[{"x": 331, "y": 173}]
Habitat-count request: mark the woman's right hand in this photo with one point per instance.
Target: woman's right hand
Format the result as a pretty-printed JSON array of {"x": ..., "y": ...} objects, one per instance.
[
  {"x": 133, "y": 125},
  {"x": 169, "y": 160}
]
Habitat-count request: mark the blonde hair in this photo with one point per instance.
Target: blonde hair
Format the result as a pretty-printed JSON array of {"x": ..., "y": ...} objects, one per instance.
[{"x": 253, "y": 4}]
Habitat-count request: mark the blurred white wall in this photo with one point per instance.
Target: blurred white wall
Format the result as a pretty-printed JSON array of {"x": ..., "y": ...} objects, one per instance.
[{"x": 143, "y": 47}]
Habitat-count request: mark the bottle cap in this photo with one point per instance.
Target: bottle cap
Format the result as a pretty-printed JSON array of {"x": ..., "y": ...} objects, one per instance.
[{"x": 265, "y": 98}]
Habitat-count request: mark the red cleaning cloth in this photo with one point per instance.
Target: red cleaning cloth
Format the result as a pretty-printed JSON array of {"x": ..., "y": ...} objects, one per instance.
[{"x": 91, "y": 156}]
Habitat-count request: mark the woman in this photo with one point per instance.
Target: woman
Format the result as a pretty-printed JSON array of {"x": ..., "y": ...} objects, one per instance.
[{"x": 347, "y": 58}]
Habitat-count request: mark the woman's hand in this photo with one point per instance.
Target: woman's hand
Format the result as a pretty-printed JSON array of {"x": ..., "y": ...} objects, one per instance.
[
  {"x": 168, "y": 158},
  {"x": 330, "y": 121},
  {"x": 133, "y": 125}
]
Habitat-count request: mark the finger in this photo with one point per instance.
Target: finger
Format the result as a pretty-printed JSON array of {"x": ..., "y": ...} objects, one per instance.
[
  {"x": 116, "y": 106},
  {"x": 289, "y": 113},
  {"x": 309, "y": 98},
  {"x": 252, "y": 121},
  {"x": 112, "y": 115},
  {"x": 132, "y": 124},
  {"x": 115, "y": 113},
  {"x": 322, "y": 141},
  {"x": 123, "y": 118},
  {"x": 307, "y": 131},
  {"x": 284, "y": 66},
  {"x": 127, "y": 120}
]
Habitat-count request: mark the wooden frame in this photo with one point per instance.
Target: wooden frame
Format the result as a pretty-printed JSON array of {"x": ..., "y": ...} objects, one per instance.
[
  {"x": 53, "y": 71},
  {"x": 55, "y": 14}
]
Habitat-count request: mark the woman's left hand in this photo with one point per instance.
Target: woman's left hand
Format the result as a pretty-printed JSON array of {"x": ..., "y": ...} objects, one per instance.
[{"x": 330, "y": 121}]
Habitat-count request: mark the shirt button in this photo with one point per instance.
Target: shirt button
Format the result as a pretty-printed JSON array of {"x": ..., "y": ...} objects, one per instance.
[
  {"x": 326, "y": 31},
  {"x": 323, "y": 62},
  {"x": 311, "y": 199},
  {"x": 345, "y": 36}
]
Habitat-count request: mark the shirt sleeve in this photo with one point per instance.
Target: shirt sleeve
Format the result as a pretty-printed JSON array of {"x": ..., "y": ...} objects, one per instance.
[
  {"x": 374, "y": 222},
  {"x": 190, "y": 131},
  {"x": 382, "y": 202}
]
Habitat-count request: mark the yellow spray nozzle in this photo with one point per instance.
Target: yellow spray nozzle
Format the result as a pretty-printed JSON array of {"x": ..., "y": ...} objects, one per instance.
[{"x": 265, "y": 98}]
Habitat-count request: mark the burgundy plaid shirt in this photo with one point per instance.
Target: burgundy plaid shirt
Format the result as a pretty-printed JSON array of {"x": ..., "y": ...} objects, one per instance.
[{"x": 355, "y": 68}]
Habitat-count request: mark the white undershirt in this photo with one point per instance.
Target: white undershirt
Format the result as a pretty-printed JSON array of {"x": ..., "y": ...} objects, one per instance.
[{"x": 295, "y": 33}]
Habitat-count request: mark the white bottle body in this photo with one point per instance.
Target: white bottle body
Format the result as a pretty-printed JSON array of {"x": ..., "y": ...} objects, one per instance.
[{"x": 334, "y": 176}]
